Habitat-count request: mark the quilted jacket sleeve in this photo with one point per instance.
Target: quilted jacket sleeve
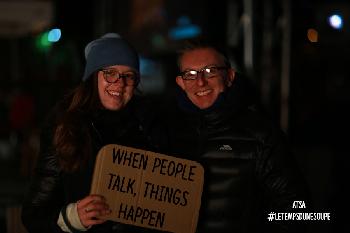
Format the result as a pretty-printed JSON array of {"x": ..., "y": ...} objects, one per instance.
[
  {"x": 44, "y": 198},
  {"x": 282, "y": 182}
]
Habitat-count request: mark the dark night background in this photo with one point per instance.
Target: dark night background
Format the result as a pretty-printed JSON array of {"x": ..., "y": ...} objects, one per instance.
[{"x": 303, "y": 82}]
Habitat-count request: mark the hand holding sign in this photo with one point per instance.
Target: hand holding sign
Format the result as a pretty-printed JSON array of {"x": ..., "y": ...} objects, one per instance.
[
  {"x": 149, "y": 189},
  {"x": 91, "y": 209}
]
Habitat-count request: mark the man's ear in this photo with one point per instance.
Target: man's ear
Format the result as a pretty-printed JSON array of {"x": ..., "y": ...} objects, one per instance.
[
  {"x": 180, "y": 82},
  {"x": 231, "y": 73}
]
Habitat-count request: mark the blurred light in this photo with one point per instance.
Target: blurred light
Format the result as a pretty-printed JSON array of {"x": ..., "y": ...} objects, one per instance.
[
  {"x": 45, "y": 39},
  {"x": 186, "y": 32},
  {"x": 153, "y": 76},
  {"x": 335, "y": 21},
  {"x": 54, "y": 35},
  {"x": 184, "y": 29},
  {"x": 42, "y": 42},
  {"x": 312, "y": 35},
  {"x": 158, "y": 41}
]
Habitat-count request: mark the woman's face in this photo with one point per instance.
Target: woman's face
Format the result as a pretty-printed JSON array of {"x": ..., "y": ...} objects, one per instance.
[{"x": 115, "y": 86}]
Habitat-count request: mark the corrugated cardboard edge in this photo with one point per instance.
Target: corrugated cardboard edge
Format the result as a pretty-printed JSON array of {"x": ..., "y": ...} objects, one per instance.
[{"x": 97, "y": 170}]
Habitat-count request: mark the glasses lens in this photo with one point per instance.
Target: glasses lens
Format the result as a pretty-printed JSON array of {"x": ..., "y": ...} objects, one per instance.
[
  {"x": 190, "y": 75},
  {"x": 211, "y": 71},
  {"x": 110, "y": 76},
  {"x": 129, "y": 77}
]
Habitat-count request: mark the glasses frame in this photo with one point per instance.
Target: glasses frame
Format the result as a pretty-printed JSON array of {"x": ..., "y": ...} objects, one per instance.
[
  {"x": 119, "y": 75},
  {"x": 202, "y": 70}
]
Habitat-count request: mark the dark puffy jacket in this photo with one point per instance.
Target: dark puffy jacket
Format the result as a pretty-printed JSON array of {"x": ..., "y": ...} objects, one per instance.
[
  {"x": 249, "y": 170},
  {"x": 51, "y": 188}
]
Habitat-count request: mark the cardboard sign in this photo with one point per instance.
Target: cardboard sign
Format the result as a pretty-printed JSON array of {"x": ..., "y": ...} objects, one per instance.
[{"x": 149, "y": 189}]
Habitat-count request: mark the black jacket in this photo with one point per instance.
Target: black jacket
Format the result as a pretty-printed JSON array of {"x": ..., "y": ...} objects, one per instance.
[
  {"x": 249, "y": 170},
  {"x": 51, "y": 188}
]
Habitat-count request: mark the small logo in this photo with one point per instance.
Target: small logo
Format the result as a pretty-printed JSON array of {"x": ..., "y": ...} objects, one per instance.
[
  {"x": 225, "y": 148},
  {"x": 299, "y": 205}
]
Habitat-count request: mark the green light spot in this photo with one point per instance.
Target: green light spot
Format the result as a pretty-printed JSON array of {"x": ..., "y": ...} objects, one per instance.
[{"x": 42, "y": 42}]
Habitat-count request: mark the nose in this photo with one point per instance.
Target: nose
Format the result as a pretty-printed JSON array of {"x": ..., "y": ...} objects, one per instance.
[
  {"x": 120, "y": 81},
  {"x": 201, "y": 80}
]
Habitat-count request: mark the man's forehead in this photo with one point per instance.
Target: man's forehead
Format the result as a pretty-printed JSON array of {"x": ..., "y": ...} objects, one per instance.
[{"x": 201, "y": 57}]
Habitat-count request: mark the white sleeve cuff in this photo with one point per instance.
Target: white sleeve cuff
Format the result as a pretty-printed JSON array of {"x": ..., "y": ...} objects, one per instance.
[
  {"x": 62, "y": 224},
  {"x": 73, "y": 218}
]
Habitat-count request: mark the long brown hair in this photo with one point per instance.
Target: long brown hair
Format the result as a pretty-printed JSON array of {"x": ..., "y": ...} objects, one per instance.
[{"x": 72, "y": 139}]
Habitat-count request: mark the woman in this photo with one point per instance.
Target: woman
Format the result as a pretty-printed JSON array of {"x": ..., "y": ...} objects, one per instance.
[{"x": 101, "y": 110}]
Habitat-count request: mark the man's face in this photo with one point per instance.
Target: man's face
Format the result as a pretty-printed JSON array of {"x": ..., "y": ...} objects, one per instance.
[
  {"x": 114, "y": 96},
  {"x": 203, "y": 91}
]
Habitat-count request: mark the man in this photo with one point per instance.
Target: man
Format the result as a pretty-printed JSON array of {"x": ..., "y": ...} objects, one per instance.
[{"x": 249, "y": 171}]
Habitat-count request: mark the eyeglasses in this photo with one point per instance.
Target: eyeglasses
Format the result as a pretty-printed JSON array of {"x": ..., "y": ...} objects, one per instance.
[
  {"x": 112, "y": 76},
  {"x": 208, "y": 72}
]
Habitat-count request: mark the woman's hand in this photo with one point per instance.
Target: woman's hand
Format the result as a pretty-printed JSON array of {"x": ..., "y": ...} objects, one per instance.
[{"x": 91, "y": 208}]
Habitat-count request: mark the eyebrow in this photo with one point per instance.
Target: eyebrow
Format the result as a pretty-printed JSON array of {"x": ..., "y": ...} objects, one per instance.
[
  {"x": 207, "y": 66},
  {"x": 115, "y": 69}
]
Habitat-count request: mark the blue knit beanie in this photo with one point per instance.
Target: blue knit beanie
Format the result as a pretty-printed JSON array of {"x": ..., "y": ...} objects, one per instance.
[{"x": 109, "y": 50}]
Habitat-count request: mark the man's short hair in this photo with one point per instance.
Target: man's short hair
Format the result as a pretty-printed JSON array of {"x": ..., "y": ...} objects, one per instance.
[{"x": 201, "y": 43}]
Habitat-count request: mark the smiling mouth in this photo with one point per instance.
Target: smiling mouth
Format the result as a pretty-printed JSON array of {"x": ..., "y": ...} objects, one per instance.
[
  {"x": 203, "y": 93},
  {"x": 114, "y": 93}
]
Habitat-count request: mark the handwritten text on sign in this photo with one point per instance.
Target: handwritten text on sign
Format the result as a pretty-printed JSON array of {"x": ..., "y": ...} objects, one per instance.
[{"x": 149, "y": 189}]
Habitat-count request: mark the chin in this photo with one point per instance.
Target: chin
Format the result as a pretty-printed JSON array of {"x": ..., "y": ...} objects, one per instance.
[
  {"x": 204, "y": 105},
  {"x": 203, "y": 102},
  {"x": 113, "y": 107}
]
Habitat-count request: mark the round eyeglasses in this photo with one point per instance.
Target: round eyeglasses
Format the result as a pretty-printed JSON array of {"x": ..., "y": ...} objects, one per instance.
[{"x": 130, "y": 78}]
